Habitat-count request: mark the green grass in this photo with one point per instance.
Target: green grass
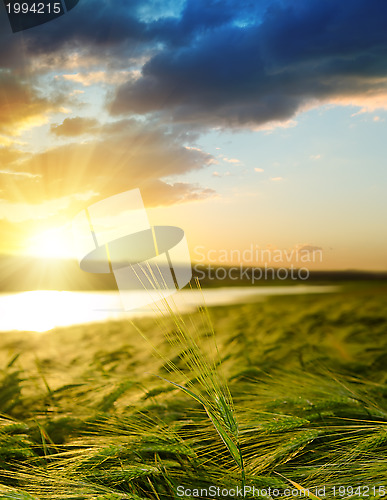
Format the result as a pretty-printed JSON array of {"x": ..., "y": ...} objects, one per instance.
[{"x": 88, "y": 413}]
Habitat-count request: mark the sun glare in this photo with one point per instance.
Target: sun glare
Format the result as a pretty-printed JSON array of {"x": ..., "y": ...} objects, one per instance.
[{"x": 53, "y": 243}]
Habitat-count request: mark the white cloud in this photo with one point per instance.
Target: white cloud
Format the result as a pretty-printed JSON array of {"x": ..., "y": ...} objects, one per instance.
[
  {"x": 19, "y": 174},
  {"x": 231, "y": 160},
  {"x": 87, "y": 79},
  {"x": 271, "y": 126}
]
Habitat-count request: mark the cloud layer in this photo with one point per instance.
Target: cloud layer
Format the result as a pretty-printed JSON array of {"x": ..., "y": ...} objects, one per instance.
[
  {"x": 125, "y": 87},
  {"x": 118, "y": 155},
  {"x": 217, "y": 63},
  {"x": 293, "y": 55}
]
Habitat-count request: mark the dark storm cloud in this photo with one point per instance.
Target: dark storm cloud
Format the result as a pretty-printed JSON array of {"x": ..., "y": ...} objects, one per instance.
[
  {"x": 97, "y": 27},
  {"x": 101, "y": 25},
  {"x": 219, "y": 62},
  {"x": 267, "y": 69}
]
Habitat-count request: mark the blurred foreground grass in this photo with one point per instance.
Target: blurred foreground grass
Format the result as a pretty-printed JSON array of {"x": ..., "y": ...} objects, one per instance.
[{"x": 83, "y": 415}]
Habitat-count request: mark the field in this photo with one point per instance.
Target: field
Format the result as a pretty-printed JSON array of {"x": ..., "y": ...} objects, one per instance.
[{"x": 95, "y": 413}]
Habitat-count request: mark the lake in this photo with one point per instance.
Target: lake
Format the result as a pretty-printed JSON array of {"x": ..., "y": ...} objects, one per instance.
[{"x": 43, "y": 310}]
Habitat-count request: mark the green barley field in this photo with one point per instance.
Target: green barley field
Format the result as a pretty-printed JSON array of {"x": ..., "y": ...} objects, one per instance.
[{"x": 289, "y": 393}]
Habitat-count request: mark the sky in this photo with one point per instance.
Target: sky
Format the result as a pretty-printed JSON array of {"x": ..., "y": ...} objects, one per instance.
[{"x": 247, "y": 123}]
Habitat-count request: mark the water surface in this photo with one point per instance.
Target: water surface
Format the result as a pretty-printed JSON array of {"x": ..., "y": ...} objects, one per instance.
[{"x": 43, "y": 310}]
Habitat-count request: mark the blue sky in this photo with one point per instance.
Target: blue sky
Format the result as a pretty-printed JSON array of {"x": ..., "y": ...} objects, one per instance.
[{"x": 250, "y": 122}]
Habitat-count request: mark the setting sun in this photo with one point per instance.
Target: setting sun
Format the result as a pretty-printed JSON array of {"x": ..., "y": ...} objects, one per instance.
[{"x": 52, "y": 243}]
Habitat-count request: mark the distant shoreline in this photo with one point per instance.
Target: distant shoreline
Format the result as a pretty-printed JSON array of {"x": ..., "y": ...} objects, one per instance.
[{"x": 29, "y": 273}]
